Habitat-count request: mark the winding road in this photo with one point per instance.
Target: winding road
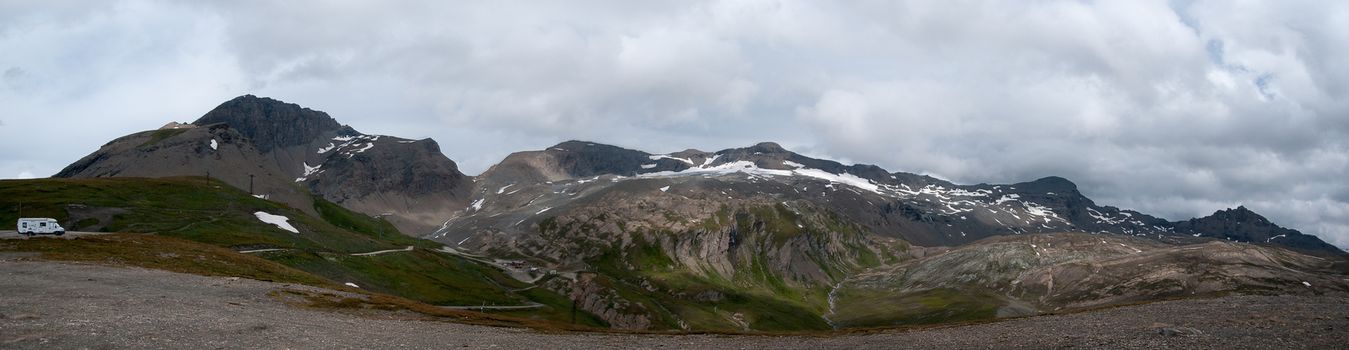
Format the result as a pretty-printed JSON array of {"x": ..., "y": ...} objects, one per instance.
[
  {"x": 68, "y": 235},
  {"x": 408, "y": 249}
]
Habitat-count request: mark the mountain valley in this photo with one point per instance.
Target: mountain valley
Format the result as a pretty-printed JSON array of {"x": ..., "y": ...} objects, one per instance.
[{"x": 751, "y": 239}]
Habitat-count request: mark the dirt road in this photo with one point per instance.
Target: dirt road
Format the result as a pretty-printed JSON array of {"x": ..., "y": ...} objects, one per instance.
[
  {"x": 61, "y": 305},
  {"x": 68, "y": 235}
]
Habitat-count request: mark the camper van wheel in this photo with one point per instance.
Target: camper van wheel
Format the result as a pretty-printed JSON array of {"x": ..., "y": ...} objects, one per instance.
[{"x": 58, "y": 233}]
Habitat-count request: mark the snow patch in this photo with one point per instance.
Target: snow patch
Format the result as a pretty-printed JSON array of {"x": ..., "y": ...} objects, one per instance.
[
  {"x": 503, "y": 188},
  {"x": 750, "y": 168},
  {"x": 709, "y": 161},
  {"x": 1006, "y": 198},
  {"x": 214, "y": 145},
  {"x": 666, "y": 156},
  {"x": 477, "y": 205},
  {"x": 327, "y": 149},
  {"x": 666, "y": 188},
  {"x": 1101, "y": 217},
  {"x": 648, "y": 166},
  {"x": 1044, "y": 212},
  {"x": 279, "y": 221},
  {"x": 340, "y": 142},
  {"x": 352, "y": 285},
  {"x": 309, "y": 170},
  {"x": 367, "y": 147}
]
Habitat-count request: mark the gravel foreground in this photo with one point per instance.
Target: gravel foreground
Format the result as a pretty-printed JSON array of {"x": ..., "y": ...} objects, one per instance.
[{"x": 62, "y": 305}]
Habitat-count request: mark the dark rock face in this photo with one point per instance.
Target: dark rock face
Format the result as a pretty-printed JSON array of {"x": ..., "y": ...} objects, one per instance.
[
  {"x": 411, "y": 180},
  {"x": 581, "y": 159},
  {"x": 1244, "y": 225},
  {"x": 270, "y": 123}
]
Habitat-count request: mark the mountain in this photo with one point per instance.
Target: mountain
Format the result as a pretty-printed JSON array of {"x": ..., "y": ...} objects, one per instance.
[
  {"x": 757, "y": 238},
  {"x": 233, "y": 234},
  {"x": 285, "y": 153},
  {"x": 1024, "y": 275},
  {"x": 767, "y": 239},
  {"x": 918, "y": 209}
]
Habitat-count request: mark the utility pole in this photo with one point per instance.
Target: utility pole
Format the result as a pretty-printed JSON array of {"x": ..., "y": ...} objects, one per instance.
[
  {"x": 208, "y": 178},
  {"x": 250, "y": 184}
]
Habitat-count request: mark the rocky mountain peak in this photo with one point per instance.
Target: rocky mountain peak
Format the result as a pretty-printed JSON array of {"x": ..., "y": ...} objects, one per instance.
[
  {"x": 768, "y": 147},
  {"x": 271, "y": 123},
  {"x": 1049, "y": 184},
  {"x": 587, "y": 147},
  {"x": 1240, "y": 214}
]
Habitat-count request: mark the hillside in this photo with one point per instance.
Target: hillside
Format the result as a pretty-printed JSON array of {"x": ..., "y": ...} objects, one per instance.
[
  {"x": 761, "y": 238},
  {"x": 329, "y": 247},
  {"x": 918, "y": 209},
  {"x": 756, "y": 238},
  {"x": 289, "y": 153},
  {"x": 89, "y": 305}
]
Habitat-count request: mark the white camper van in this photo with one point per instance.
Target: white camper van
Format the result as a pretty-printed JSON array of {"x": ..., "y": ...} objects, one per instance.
[{"x": 32, "y": 226}]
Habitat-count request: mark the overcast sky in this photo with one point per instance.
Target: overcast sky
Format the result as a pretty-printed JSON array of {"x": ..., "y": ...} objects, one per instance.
[{"x": 1176, "y": 108}]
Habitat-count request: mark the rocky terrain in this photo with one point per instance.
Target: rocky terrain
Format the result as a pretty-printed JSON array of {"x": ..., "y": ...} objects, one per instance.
[
  {"x": 921, "y": 210},
  {"x": 56, "y": 305},
  {"x": 681, "y": 240},
  {"x": 757, "y": 238}
]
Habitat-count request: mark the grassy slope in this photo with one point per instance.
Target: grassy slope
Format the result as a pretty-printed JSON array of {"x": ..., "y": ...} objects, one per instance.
[
  {"x": 164, "y": 253},
  {"x": 763, "y": 300},
  {"x": 939, "y": 305},
  {"x": 217, "y": 214},
  {"x": 180, "y": 255},
  {"x": 189, "y": 208}
]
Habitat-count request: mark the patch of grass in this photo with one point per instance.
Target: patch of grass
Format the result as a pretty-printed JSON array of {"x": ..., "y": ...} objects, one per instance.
[
  {"x": 161, "y": 135},
  {"x": 877, "y": 308},
  {"x": 187, "y": 207},
  {"x": 557, "y": 308},
  {"x": 356, "y": 222},
  {"x": 380, "y": 302},
  {"x": 762, "y": 308},
  {"x": 83, "y": 223},
  {"x": 430, "y": 277},
  {"x": 163, "y": 253}
]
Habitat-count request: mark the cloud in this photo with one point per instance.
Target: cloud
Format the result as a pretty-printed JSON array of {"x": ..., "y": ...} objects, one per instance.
[{"x": 1177, "y": 108}]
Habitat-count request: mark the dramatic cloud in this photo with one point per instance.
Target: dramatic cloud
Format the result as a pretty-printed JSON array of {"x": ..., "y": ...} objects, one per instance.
[{"x": 1177, "y": 108}]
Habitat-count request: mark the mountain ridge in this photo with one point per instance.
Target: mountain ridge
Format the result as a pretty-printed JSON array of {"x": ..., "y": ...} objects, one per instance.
[
  {"x": 577, "y": 159},
  {"x": 748, "y": 238}
]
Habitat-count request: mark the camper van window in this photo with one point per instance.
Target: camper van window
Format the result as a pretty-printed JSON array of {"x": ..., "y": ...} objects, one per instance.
[
  {"x": 25, "y": 225},
  {"x": 42, "y": 224}
]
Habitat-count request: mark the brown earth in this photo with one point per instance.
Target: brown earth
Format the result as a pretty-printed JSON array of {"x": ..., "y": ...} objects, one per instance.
[{"x": 63, "y": 305}]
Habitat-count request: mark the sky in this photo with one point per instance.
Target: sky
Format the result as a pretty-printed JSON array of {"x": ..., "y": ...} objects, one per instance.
[{"x": 1173, "y": 108}]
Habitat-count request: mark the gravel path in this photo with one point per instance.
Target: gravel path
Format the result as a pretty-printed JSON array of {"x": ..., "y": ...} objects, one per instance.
[
  {"x": 68, "y": 235},
  {"x": 61, "y": 305},
  {"x": 408, "y": 249}
]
